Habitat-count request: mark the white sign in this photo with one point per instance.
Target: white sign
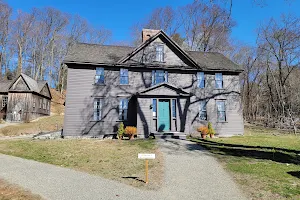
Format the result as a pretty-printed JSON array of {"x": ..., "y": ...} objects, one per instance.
[{"x": 146, "y": 156}]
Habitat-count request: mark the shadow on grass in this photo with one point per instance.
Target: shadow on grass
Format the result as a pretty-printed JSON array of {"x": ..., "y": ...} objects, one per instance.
[
  {"x": 258, "y": 152},
  {"x": 134, "y": 177},
  {"x": 294, "y": 173}
]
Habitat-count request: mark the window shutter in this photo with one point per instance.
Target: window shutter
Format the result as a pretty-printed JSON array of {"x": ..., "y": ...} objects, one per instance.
[
  {"x": 153, "y": 74},
  {"x": 166, "y": 76}
]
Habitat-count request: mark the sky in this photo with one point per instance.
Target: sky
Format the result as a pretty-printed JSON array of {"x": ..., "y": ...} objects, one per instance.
[{"x": 119, "y": 15}]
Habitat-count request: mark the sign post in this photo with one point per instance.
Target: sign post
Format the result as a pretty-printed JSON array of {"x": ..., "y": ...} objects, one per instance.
[{"x": 146, "y": 157}]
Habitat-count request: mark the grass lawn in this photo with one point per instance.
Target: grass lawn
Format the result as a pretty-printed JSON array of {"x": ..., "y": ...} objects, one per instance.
[
  {"x": 265, "y": 162},
  {"x": 9, "y": 191},
  {"x": 112, "y": 159},
  {"x": 43, "y": 124}
]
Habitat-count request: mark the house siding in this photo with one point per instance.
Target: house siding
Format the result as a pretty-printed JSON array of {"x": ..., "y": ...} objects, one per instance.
[{"x": 82, "y": 91}]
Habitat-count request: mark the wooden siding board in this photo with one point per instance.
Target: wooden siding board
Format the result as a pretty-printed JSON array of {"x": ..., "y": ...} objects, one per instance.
[{"x": 82, "y": 90}]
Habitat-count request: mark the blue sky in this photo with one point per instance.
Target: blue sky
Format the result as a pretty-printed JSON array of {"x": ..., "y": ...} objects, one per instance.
[{"x": 119, "y": 15}]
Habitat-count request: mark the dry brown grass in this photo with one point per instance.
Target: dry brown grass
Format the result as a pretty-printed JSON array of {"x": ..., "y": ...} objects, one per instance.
[
  {"x": 43, "y": 124},
  {"x": 13, "y": 192},
  {"x": 57, "y": 102},
  {"x": 112, "y": 159}
]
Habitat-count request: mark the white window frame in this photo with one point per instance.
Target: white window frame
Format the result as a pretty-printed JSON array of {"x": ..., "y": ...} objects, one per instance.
[
  {"x": 123, "y": 109},
  {"x": 122, "y": 76},
  {"x": 4, "y": 101},
  {"x": 159, "y": 53},
  {"x": 154, "y": 76},
  {"x": 97, "y": 109},
  {"x": 200, "y": 79},
  {"x": 203, "y": 109},
  {"x": 219, "y": 80},
  {"x": 223, "y": 111},
  {"x": 99, "y": 75}
]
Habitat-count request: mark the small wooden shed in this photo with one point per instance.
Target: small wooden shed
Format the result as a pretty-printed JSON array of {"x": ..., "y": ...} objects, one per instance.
[{"x": 24, "y": 99}]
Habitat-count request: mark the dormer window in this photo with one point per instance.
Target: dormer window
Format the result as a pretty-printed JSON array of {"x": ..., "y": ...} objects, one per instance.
[{"x": 159, "y": 49}]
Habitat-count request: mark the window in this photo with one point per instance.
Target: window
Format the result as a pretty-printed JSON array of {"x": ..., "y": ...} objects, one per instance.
[
  {"x": 33, "y": 104},
  {"x": 221, "y": 111},
  {"x": 41, "y": 102},
  {"x": 159, "y": 76},
  {"x": 99, "y": 78},
  {"x": 159, "y": 49},
  {"x": 124, "y": 77},
  {"x": 98, "y": 109},
  {"x": 173, "y": 108},
  {"x": 201, "y": 79},
  {"x": 123, "y": 108},
  {"x": 219, "y": 80},
  {"x": 4, "y": 101},
  {"x": 202, "y": 110},
  {"x": 48, "y": 105},
  {"x": 44, "y": 104},
  {"x": 154, "y": 107}
]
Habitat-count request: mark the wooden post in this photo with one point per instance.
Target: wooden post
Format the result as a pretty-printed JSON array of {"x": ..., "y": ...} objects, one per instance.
[{"x": 146, "y": 166}]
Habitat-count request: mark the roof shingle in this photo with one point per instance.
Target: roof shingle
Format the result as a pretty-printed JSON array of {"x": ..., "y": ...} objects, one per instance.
[{"x": 106, "y": 54}]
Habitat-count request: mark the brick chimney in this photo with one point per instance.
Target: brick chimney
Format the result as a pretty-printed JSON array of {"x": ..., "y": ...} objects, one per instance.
[{"x": 147, "y": 33}]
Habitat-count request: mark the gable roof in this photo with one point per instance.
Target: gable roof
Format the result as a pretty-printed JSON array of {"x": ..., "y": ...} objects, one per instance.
[
  {"x": 4, "y": 85},
  {"x": 33, "y": 85},
  {"x": 167, "y": 85},
  {"x": 151, "y": 39},
  {"x": 95, "y": 54},
  {"x": 214, "y": 61}
]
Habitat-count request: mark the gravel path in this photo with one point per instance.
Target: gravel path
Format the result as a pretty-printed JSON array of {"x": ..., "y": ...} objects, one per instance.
[{"x": 190, "y": 173}]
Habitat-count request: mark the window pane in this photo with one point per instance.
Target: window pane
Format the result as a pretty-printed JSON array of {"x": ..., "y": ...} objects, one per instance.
[
  {"x": 203, "y": 115},
  {"x": 154, "y": 107},
  {"x": 219, "y": 80},
  {"x": 219, "y": 76},
  {"x": 160, "y": 53},
  {"x": 202, "y": 110},
  {"x": 123, "y": 80},
  {"x": 221, "y": 116},
  {"x": 221, "y": 111},
  {"x": 173, "y": 108},
  {"x": 201, "y": 79},
  {"x": 99, "y": 70},
  {"x": 221, "y": 105},
  {"x": 97, "y": 109},
  {"x": 123, "y": 107}
]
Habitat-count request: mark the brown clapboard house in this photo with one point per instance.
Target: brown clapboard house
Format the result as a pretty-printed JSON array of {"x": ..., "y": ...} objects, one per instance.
[
  {"x": 24, "y": 99},
  {"x": 157, "y": 87}
]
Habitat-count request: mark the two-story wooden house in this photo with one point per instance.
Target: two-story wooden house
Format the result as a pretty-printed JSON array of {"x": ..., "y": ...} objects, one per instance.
[
  {"x": 24, "y": 99},
  {"x": 157, "y": 87}
]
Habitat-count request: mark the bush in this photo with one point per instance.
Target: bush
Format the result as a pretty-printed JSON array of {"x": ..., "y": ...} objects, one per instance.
[
  {"x": 130, "y": 130},
  {"x": 203, "y": 129},
  {"x": 121, "y": 130},
  {"x": 211, "y": 131}
]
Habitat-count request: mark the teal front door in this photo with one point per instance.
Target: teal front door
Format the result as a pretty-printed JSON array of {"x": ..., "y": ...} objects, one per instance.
[{"x": 163, "y": 115}]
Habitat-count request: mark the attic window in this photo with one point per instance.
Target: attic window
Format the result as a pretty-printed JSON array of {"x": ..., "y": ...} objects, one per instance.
[{"x": 159, "y": 49}]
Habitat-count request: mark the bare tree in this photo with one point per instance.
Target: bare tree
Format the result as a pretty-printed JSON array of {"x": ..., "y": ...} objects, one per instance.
[
  {"x": 206, "y": 26},
  {"x": 5, "y": 14},
  {"x": 22, "y": 27}
]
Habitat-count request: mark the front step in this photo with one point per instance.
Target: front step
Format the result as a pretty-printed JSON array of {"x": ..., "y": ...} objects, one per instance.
[{"x": 166, "y": 135}]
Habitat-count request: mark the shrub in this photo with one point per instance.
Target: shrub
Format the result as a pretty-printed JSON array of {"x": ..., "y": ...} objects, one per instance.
[
  {"x": 211, "y": 131},
  {"x": 203, "y": 129},
  {"x": 121, "y": 130},
  {"x": 130, "y": 130}
]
